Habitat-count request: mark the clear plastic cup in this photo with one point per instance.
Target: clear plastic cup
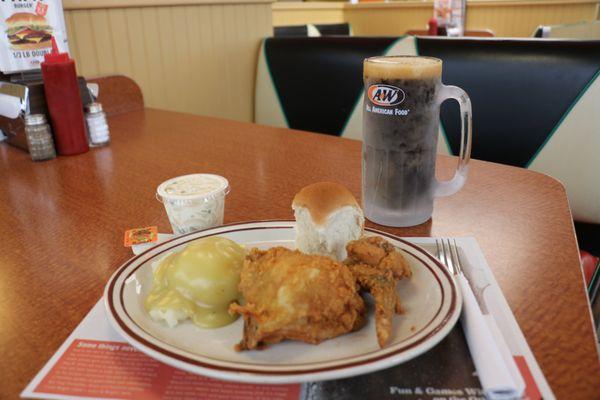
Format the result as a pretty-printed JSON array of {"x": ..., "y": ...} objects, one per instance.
[{"x": 194, "y": 202}]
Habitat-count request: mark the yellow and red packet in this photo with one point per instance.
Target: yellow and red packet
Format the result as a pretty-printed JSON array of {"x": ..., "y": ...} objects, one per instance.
[{"x": 140, "y": 235}]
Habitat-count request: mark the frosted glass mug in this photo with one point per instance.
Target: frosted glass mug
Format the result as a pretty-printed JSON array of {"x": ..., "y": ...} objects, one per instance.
[{"x": 401, "y": 118}]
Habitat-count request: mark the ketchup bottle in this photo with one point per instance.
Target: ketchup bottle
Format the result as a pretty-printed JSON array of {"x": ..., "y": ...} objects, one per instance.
[
  {"x": 64, "y": 102},
  {"x": 432, "y": 27}
]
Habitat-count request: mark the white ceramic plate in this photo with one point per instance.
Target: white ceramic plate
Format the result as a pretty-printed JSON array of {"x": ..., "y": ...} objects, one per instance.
[{"x": 431, "y": 300}]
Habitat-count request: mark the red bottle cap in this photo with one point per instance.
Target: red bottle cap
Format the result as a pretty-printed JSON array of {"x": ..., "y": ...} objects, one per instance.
[
  {"x": 55, "y": 56},
  {"x": 432, "y": 27}
]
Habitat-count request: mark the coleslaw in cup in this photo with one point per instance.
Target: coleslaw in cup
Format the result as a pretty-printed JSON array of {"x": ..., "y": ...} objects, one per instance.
[{"x": 194, "y": 202}]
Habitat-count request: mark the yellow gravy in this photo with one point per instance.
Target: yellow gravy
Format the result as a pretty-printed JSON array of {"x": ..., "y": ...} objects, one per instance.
[{"x": 199, "y": 282}]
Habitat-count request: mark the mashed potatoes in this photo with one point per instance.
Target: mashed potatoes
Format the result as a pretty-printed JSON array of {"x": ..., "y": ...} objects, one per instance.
[{"x": 198, "y": 282}]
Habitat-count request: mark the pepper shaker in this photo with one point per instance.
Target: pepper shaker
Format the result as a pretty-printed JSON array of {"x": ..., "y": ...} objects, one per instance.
[
  {"x": 39, "y": 138},
  {"x": 97, "y": 127}
]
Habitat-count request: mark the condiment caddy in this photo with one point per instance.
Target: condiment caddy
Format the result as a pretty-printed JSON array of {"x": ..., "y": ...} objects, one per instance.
[
  {"x": 29, "y": 88},
  {"x": 63, "y": 98}
]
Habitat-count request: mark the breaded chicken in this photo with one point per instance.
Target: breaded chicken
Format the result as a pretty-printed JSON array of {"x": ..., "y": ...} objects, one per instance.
[
  {"x": 379, "y": 253},
  {"x": 382, "y": 286},
  {"x": 291, "y": 295},
  {"x": 377, "y": 267}
]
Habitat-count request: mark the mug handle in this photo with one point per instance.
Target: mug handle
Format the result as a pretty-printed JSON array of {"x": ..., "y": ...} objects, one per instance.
[{"x": 452, "y": 186}]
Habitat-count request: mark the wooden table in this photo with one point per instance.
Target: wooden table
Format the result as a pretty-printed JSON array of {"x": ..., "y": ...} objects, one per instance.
[{"x": 63, "y": 222}]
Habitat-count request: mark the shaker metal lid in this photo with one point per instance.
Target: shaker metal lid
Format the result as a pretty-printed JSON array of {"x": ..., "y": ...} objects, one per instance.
[
  {"x": 94, "y": 107},
  {"x": 35, "y": 119}
]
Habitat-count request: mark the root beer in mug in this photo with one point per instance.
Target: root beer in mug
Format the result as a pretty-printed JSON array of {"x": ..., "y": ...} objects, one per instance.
[{"x": 401, "y": 119}]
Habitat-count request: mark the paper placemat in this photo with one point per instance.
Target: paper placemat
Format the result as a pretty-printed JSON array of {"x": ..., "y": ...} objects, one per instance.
[{"x": 96, "y": 363}]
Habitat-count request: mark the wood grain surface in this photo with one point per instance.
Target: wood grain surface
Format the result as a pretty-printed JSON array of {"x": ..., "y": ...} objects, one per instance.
[
  {"x": 63, "y": 222},
  {"x": 118, "y": 94}
]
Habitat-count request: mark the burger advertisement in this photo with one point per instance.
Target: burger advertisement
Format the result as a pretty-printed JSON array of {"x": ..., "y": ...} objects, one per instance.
[
  {"x": 28, "y": 31},
  {"x": 29, "y": 27}
]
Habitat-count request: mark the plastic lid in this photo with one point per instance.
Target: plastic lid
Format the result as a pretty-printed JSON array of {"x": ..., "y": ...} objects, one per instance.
[
  {"x": 55, "y": 56},
  {"x": 35, "y": 119},
  {"x": 188, "y": 187}
]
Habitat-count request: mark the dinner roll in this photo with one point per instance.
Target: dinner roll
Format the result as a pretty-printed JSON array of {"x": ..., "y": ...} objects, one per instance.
[{"x": 327, "y": 218}]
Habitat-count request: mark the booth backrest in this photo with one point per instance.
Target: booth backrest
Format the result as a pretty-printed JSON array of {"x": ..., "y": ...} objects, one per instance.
[
  {"x": 535, "y": 102},
  {"x": 342, "y": 29},
  {"x": 118, "y": 94},
  {"x": 313, "y": 30},
  {"x": 469, "y": 33},
  {"x": 579, "y": 30}
]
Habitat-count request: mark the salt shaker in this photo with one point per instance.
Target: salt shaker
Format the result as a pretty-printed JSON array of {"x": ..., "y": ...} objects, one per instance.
[
  {"x": 39, "y": 137},
  {"x": 97, "y": 127}
]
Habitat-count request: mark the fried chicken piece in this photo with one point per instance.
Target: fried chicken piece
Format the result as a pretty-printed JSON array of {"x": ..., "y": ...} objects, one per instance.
[
  {"x": 378, "y": 252},
  {"x": 291, "y": 295},
  {"x": 382, "y": 286},
  {"x": 377, "y": 267}
]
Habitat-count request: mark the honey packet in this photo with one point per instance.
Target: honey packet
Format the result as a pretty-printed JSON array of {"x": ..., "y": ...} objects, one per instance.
[
  {"x": 140, "y": 235},
  {"x": 28, "y": 27}
]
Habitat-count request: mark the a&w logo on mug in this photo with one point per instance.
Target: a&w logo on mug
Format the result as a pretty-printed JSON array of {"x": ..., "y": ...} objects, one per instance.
[{"x": 385, "y": 95}]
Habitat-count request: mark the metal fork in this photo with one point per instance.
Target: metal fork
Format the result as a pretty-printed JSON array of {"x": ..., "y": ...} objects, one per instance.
[
  {"x": 492, "y": 368},
  {"x": 448, "y": 255}
]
